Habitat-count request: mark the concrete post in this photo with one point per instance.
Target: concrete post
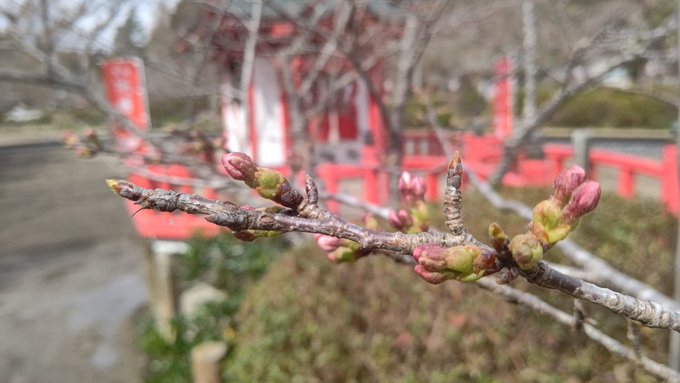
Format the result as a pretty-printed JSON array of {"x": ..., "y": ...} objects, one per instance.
[{"x": 580, "y": 140}]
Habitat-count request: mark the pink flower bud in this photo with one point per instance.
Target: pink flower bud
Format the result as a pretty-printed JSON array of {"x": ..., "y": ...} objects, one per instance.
[
  {"x": 432, "y": 277},
  {"x": 412, "y": 188},
  {"x": 584, "y": 200},
  {"x": 326, "y": 242},
  {"x": 418, "y": 188},
  {"x": 432, "y": 257},
  {"x": 400, "y": 220},
  {"x": 566, "y": 182},
  {"x": 405, "y": 183},
  {"x": 239, "y": 166}
]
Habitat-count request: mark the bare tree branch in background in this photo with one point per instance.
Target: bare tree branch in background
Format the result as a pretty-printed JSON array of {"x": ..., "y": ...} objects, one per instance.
[{"x": 639, "y": 43}]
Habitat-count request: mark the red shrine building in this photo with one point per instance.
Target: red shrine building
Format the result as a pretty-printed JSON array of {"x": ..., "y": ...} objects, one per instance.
[{"x": 348, "y": 129}]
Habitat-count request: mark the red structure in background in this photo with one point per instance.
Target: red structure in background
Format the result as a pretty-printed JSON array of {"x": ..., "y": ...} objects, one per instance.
[
  {"x": 350, "y": 123},
  {"x": 502, "y": 99},
  {"x": 126, "y": 92},
  {"x": 353, "y": 116}
]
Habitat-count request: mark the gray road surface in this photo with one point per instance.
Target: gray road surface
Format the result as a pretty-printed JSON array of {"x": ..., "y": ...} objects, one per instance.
[{"x": 70, "y": 270}]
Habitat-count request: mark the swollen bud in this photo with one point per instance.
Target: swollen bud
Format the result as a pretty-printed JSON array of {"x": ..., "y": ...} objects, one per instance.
[
  {"x": 584, "y": 200},
  {"x": 124, "y": 189},
  {"x": 400, "y": 220},
  {"x": 326, "y": 242},
  {"x": 566, "y": 182},
  {"x": 546, "y": 225},
  {"x": 464, "y": 263},
  {"x": 432, "y": 277},
  {"x": 412, "y": 188},
  {"x": 239, "y": 166},
  {"x": 431, "y": 257},
  {"x": 343, "y": 254},
  {"x": 269, "y": 183},
  {"x": 418, "y": 188},
  {"x": 526, "y": 250},
  {"x": 405, "y": 183}
]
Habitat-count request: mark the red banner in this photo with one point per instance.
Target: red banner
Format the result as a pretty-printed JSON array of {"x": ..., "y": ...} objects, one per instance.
[
  {"x": 126, "y": 91},
  {"x": 502, "y": 101}
]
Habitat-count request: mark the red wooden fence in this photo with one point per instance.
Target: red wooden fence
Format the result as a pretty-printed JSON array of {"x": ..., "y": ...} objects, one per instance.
[{"x": 424, "y": 156}]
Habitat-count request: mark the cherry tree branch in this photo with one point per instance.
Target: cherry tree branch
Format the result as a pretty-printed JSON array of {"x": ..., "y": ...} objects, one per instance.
[
  {"x": 302, "y": 214},
  {"x": 597, "y": 269},
  {"x": 538, "y": 305}
]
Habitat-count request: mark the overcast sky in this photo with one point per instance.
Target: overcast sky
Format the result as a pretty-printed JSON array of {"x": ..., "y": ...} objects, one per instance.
[{"x": 98, "y": 11}]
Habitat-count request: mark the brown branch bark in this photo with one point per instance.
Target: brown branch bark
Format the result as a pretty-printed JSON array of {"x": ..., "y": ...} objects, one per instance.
[
  {"x": 537, "y": 304},
  {"x": 310, "y": 218}
]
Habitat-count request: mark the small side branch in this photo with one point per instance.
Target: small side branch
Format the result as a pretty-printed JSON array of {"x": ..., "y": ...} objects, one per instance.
[
  {"x": 453, "y": 196},
  {"x": 239, "y": 218}
]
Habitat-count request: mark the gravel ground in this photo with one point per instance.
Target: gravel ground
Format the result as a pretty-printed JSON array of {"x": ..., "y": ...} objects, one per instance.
[{"x": 70, "y": 270}]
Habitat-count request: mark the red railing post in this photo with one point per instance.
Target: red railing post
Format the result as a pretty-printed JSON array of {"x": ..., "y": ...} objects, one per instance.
[
  {"x": 626, "y": 182},
  {"x": 669, "y": 180}
]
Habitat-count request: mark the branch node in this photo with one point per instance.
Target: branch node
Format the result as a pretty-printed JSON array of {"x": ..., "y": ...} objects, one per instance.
[
  {"x": 311, "y": 190},
  {"x": 453, "y": 196}
]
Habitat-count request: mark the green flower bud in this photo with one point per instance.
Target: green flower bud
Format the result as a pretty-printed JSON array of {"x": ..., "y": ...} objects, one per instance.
[
  {"x": 465, "y": 263},
  {"x": 343, "y": 254},
  {"x": 526, "y": 250},
  {"x": 421, "y": 217},
  {"x": 547, "y": 225},
  {"x": 267, "y": 182}
]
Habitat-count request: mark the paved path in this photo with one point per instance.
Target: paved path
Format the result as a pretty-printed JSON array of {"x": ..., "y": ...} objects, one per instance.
[{"x": 70, "y": 270}]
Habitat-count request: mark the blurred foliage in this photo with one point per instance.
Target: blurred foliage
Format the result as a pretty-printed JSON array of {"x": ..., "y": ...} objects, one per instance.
[
  {"x": 226, "y": 264},
  {"x": 453, "y": 110},
  {"x": 176, "y": 110},
  {"x": 311, "y": 321},
  {"x": 607, "y": 107},
  {"x": 543, "y": 95}
]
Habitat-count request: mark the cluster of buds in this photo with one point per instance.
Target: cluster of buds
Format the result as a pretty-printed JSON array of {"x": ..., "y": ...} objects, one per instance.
[
  {"x": 339, "y": 250},
  {"x": 437, "y": 264},
  {"x": 86, "y": 147},
  {"x": 412, "y": 188},
  {"x": 416, "y": 217},
  {"x": 554, "y": 218},
  {"x": 269, "y": 183},
  {"x": 572, "y": 197},
  {"x": 400, "y": 220},
  {"x": 414, "y": 220}
]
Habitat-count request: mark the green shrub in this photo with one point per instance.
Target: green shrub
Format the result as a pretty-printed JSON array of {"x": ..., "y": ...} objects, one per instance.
[
  {"x": 375, "y": 321},
  {"x": 608, "y": 107},
  {"x": 225, "y": 263}
]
